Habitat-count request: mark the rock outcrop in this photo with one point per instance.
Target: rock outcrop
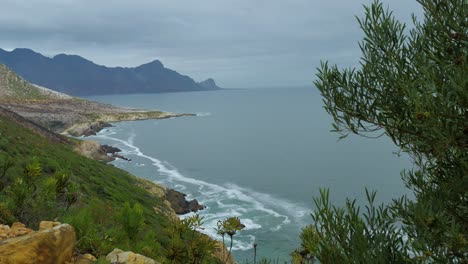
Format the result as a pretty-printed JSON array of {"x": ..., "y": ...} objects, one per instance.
[
  {"x": 127, "y": 257},
  {"x": 88, "y": 129},
  {"x": 92, "y": 149},
  {"x": 48, "y": 224},
  {"x": 47, "y": 246},
  {"x": 180, "y": 204},
  {"x": 110, "y": 149},
  {"x": 16, "y": 229}
]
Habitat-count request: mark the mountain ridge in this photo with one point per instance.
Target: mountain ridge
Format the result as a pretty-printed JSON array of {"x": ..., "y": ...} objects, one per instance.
[{"x": 75, "y": 75}]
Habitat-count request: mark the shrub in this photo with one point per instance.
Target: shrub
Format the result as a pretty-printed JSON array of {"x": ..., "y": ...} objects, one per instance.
[
  {"x": 132, "y": 219},
  {"x": 412, "y": 87}
]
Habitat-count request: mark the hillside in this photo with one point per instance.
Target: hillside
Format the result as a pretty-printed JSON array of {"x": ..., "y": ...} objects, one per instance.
[
  {"x": 74, "y": 75},
  {"x": 62, "y": 113},
  {"x": 13, "y": 87},
  {"x": 42, "y": 178}
]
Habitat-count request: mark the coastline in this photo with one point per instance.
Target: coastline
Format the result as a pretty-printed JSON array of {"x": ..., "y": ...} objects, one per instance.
[
  {"x": 83, "y": 118},
  {"x": 95, "y": 126},
  {"x": 79, "y": 117}
]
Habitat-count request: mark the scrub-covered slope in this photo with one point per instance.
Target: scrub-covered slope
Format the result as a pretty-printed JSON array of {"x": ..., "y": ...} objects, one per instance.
[{"x": 44, "y": 179}]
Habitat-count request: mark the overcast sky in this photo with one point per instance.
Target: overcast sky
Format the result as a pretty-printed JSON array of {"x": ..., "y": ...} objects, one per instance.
[{"x": 240, "y": 43}]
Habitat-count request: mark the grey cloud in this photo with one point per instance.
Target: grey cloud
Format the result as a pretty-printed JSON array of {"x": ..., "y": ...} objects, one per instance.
[{"x": 241, "y": 43}]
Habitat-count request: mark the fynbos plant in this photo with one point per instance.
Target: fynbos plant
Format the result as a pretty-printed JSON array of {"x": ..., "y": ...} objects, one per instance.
[
  {"x": 230, "y": 227},
  {"x": 131, "y": 219},
  {"x": 412, "y": 87},
  {"x": 186, "y": 245}
]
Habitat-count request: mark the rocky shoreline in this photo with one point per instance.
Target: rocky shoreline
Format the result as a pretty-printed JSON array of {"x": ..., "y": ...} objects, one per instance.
[
  {"x": 86, "y": 129},
  {"x": 82, "y": 118},
  {"x": 79, "y": 117},
  {"x": 180, "y": 204},
  {"x": 177, "y": 200}
]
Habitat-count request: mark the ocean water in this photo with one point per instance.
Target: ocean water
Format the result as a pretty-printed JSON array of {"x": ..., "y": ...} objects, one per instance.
[{"x": 259, "y": 154}]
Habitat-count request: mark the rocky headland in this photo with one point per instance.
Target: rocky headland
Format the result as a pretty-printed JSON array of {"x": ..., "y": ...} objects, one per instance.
[{"x": 79, "y": 117}]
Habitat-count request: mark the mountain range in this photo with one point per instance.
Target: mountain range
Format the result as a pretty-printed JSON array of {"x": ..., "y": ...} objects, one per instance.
[{"x": 74, "y": 75}]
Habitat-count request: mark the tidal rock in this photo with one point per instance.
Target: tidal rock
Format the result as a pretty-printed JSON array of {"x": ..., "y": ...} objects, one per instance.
[
  {"x": 49, "y": 246},
  {"x": 180, "y": 204},
  {"x": 110, "y": 149},
  {"x": 121, "y": 157},
  {"x": 120, "y": 257},
  {"x": 113, "y": 151}
]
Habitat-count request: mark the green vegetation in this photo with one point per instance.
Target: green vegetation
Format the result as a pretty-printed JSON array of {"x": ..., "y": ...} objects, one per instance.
[
  {"x": 14, "y": 87},
  {"x": 230, "y": 226},
  {"x": 184, "y": 245},
  {"x": 43, "y": 180},
  {"x": 412, "y": 87}
]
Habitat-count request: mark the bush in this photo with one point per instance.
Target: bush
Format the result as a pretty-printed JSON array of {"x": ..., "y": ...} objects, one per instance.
[
  {"x": 412, "y": 87},
  {"x": 132, "y": 219}
]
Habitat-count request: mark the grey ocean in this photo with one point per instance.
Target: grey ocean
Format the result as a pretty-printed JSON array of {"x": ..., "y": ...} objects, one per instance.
[{"x": 259, "y": 154}]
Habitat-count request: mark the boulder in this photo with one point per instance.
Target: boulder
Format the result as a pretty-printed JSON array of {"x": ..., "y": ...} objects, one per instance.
[
  {"x": 127, "y": 257},
  {"x": 48, "y": 246}
]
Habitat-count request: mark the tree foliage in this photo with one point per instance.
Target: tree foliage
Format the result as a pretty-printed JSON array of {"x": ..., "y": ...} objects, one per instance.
[{"x": 412, "y": 87}]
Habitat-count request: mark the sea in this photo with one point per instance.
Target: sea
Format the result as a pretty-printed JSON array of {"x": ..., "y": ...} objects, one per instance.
[{"x": 258, "y": 154}]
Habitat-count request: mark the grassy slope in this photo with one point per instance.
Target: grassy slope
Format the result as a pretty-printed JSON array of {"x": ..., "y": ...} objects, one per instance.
[
  {"x": 14, "y": 87},
  {"x": 103, "y": 191}
]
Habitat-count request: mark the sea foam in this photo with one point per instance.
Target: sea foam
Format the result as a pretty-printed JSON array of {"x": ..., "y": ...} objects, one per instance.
[{"x": 255, "y": 209}]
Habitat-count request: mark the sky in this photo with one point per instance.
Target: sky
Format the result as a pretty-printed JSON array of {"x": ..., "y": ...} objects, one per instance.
[{"x": 239, "y": 43}]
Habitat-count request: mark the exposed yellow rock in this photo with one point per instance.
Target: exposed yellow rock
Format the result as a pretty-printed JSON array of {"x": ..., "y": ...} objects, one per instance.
[
  {"x": 49, "y": 246},
  {"x": 120, "y": 257},
  {"x": 16, "y": 229},
  {"x": 17, "y": 225},
  {"x": 84, "y": 259},
  {"x": 47, "y": 224}
]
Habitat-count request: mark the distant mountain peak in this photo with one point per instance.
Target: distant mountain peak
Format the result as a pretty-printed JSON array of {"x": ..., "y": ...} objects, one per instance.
[
  {"x": 71, "y": 58},
  {"x": 24, "y": 51},
  {"x": 152, "y": 64},
  {"x": 76, "y": 75}
]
